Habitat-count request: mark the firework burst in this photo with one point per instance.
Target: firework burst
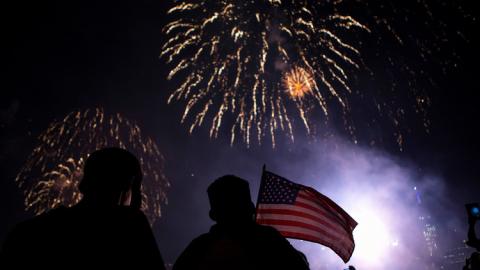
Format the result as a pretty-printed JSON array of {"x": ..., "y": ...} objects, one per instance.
[
  {"x": 53, "y": 170},
  {"x": 298, "y": 82},
  {"x": 231, "y": 56},
  {"x": 234, "y": 57}
]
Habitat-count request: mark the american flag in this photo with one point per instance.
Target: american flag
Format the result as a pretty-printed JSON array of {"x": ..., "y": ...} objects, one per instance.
[{"x": 300, "y": 212}]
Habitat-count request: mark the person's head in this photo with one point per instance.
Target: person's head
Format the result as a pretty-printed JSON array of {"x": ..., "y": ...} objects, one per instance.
[
  {"x": 112, "y": 176},
  {"x": 230, "y": 201}
]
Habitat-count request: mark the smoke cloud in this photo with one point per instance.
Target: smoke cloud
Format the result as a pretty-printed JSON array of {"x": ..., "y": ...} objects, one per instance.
[
  {"x": 394, "y": 202},
  {"x": 392, "y": 199}
]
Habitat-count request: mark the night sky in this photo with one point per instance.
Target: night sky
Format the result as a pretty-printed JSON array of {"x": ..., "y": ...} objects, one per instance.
[{"x": 68, "y": 55}]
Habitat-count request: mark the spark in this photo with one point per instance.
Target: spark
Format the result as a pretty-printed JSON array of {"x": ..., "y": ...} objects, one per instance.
[
  {"x": 223, "y": 59},
  {"x": 52, "y": 172},
  {"x": 229, "y": 61}
]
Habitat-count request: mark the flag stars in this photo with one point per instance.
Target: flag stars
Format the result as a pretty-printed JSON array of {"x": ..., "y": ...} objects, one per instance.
[{"x": 278, "y": 191}]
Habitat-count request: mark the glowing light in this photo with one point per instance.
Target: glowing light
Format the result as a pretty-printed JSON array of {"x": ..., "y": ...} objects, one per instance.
[
  {"x": 298, "y": 82},
  {"x": 395, "y": 243},
  {"x": 372, "y": 237},
  {"x": 53, "y": 170}
]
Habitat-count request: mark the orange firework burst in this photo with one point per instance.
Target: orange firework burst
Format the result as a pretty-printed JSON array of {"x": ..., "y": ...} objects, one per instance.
[{"x": 298, "y": 82}]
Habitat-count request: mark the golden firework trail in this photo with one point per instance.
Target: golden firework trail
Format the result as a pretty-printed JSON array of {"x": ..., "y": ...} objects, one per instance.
[
  {"x": 232, "y": 58},
  {"x": 52, "y": 172},
  {"x": 222, "y": 51}
]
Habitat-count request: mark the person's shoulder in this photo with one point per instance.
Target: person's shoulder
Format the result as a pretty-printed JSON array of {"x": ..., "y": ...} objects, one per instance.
[
  {"x": 203, "y": 238},
  {"x": 43, "y": 218},
  {"x": 202, "y": 241},
  {"x": 35, "y": 226},
  {"x": 266, "y": 230},
  {"x": 271, "y": 235}
]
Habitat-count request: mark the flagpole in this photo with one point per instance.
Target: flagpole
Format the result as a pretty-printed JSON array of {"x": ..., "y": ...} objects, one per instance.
[{"x": 264, "y": 169}]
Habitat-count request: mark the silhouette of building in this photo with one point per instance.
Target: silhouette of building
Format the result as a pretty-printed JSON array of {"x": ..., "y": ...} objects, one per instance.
[
  {"x": 430, "y": 235},
  {"x": 429, "y": 232},
  {"x": 454, "y": 258}
]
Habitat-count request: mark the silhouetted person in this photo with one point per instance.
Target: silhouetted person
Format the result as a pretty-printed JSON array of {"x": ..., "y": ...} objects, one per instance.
[
  {"x": 105, "y": 229},
  {"x": 236, "y": 241},
  {"x": 473, "y": 240},
  {"x": 473, "y": 263}
]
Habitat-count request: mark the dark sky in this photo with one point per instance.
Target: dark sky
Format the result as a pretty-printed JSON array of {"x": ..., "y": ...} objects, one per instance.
[{"x": 68, "y": 55}]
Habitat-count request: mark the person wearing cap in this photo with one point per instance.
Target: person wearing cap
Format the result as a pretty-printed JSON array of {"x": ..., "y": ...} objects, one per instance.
[
  {"x": 105, "y": 229},
  {"x": 236, "y": 241}
]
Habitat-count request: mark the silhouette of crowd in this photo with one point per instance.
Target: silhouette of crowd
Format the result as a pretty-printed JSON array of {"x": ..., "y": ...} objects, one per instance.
[{"x": 107, "y": 229}]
